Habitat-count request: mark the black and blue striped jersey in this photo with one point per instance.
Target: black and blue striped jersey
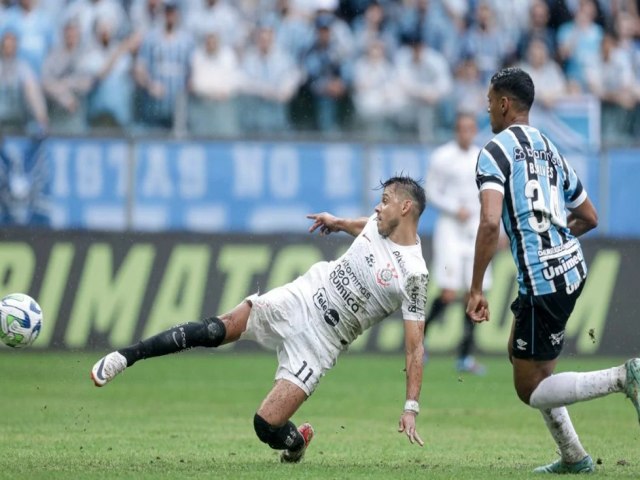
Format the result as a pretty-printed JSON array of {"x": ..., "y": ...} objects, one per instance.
[{"x": 538, "y": 185}]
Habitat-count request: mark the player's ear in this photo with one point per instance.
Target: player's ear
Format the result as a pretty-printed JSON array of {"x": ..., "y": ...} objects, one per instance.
[{"x": 406, "y": 206}]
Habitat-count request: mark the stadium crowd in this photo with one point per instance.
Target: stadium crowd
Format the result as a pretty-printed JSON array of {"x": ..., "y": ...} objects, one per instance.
[{"x": 381, "y": 68}]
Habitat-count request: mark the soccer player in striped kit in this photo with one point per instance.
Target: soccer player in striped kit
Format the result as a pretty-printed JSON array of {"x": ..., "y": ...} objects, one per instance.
[{"x": 526, "y": 182}]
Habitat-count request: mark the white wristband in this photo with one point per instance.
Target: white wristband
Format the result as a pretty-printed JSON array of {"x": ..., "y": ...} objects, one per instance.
[{"x": 412, "y": 406}]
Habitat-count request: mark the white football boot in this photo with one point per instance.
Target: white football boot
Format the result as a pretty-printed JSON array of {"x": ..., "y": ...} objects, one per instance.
[{"x": 107, "y": 368}]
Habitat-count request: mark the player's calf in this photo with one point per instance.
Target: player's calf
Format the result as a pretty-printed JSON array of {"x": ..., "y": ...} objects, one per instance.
[{"x": 210, "y": 332}]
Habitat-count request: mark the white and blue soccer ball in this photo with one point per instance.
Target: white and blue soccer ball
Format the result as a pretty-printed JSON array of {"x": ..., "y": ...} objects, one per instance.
[{"x": 20, "y": 320}]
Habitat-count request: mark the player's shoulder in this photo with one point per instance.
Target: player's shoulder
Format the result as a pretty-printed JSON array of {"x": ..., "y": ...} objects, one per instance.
[
  {"x": 416, "y": 264},
  {"x": 502, "y": 139}
]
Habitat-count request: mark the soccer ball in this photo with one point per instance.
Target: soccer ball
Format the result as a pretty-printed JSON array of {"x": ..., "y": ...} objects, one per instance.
[{"x": 20, "y": 320}]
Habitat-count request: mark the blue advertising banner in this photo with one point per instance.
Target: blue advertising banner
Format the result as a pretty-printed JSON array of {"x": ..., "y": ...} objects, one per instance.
[
  {"x": 623, "y": 175},
  {"x": 254, "y": 187},
  {"x": 65, "y": 183},
  {"x": 243, "y": 186}
]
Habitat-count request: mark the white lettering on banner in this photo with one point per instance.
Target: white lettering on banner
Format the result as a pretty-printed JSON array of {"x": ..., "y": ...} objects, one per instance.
[
  {"x": 60, "y": 181},
  {"x": 89, "y": 172},
  {"x": 192, "y": 172},
  {"x": 157, "y": 180},
  {"x": 338, "y": 181},
  {"x": 284, "y": 172},
  {"x": 118, "y": 158},
  {"x": 248, "y": 171}
]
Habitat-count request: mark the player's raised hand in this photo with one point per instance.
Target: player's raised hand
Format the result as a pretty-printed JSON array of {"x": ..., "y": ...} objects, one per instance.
[
  {"x": 326, "y": 222},
  {"x": 407, "y": 425},
  {"x": 478, "y": 307}
]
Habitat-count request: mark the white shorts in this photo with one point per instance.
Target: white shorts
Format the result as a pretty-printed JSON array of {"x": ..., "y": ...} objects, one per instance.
[
  {"x": 280, "y": 320},
  {"x": 453, "y": 259}
]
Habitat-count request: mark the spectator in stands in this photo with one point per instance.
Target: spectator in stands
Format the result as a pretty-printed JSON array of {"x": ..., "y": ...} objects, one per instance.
[
  {"x": 469, "y": 94},
  {"x": 270, "y": 79},
  {"x": 110, "y": 64},
  {"x": 66, "y": 83},
  {"x": 627, "y": 28},
  {"x": 511, "y": 19},
  {"x": 376, "y": 93},
  {"x": 20, "y": 95},
  {"x": 611, "y": 79},
  {"x": 146, "y": 15},
  {"x": 341, "y": 33},
  {"x": 328, "y": 75},
  {"x": 86, "y": 12},
  {"x": 440, "y": 25},
  {"x": 34, "y": 30},
  {"x": 162, "y": 70},
  {"x": 548, "y": 78},
  {"x": 294, "y": 31},
  {"x": 485, "y": 42},
  {"x": 425, "y": 80},
  {"x": 215, "y": 79},
  {"x": 223, "y": 17},
  {"x": 538, "y": 29},
  {"x": 374, "y": 26},
  {"x": 579, "y": 43}
]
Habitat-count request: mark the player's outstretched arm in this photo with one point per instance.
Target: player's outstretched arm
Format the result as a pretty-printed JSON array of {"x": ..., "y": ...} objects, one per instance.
[
  {"x": 414, "y": 348},
  {"x": 328, "y": 223}
]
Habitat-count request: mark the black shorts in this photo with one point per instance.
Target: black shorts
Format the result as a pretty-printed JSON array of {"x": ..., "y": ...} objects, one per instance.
[{"x": 540, "y": 322}]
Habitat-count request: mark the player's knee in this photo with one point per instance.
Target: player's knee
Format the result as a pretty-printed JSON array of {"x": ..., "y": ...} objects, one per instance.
[
  {"x": 265, "y": 431},
  {"x": 278, "y": 438},
  {"x": 215, "y": 331}
]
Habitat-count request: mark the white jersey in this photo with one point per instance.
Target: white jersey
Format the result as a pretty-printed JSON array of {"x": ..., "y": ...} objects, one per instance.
[
  {"x": 373, "y": 279},
  {"x": 451, "y": 185}
]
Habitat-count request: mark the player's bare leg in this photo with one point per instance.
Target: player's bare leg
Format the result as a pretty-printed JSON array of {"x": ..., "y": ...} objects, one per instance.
[{"x": 273, "y": 426}]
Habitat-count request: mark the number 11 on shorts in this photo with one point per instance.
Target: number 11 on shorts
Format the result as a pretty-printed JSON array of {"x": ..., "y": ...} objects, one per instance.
[{"x": 309, "y": 372}]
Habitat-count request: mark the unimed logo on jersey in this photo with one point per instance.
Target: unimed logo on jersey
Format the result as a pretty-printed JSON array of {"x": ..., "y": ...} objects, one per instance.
[{"x": 320, "y": 301}]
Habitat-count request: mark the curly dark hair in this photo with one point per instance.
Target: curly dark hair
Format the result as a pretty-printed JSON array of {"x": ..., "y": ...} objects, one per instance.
[{"x": 516, "y": 83}]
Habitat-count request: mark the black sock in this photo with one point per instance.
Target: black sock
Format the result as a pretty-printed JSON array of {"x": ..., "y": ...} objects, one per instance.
[
  {"x": 286, "y": 437},
  {"x": 208, "y": 333},
  {"x": 467, "y": 339},
  {"x": 437, "y": 308}
]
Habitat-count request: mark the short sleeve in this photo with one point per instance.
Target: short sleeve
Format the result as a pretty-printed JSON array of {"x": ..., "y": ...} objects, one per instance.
[
  {"x": 489, "y": 174},
  {"x": 415, "y": 301}
]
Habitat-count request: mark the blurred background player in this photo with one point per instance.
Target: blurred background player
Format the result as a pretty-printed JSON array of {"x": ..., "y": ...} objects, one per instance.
[{"x": 451, "y": 189}]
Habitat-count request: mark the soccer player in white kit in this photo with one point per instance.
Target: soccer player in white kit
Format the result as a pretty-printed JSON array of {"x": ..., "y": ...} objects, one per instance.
[
  {"x": 451, "y": 188},
  {"x": 311, "y": 320}
]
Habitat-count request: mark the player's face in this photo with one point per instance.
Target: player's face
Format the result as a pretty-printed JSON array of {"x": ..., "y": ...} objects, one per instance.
[
  {"x": 465, "y": 131},
  {"x": 389, "y": 211},
  {"x": 495, "y": 111}
]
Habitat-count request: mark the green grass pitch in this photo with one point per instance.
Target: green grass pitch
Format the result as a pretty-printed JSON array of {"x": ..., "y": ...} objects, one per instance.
[{"x": 190, "y": 416}]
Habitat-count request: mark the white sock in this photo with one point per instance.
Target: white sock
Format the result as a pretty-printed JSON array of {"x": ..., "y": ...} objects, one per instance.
[
  {"x": 563, "y": 433},
  {"x": 570, "y": 387}
]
